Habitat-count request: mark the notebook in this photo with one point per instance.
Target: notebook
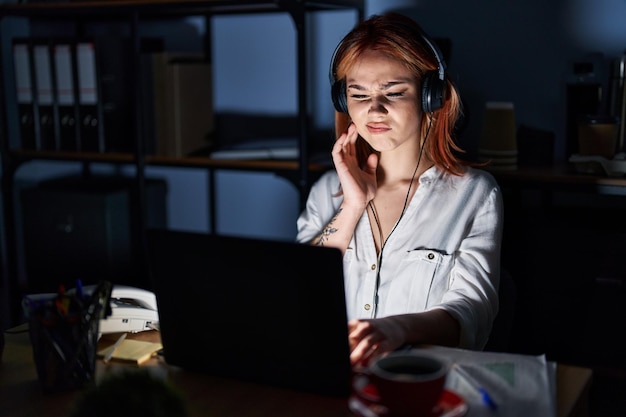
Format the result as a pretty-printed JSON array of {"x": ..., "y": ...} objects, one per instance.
[{"x": 270, "y": 312}]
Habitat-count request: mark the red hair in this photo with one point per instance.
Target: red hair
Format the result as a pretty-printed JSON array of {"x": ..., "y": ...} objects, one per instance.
[{"x": 400, "y": 38}]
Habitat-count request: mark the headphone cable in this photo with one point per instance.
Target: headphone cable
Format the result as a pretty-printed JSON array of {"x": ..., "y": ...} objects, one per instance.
[{"x": 380, "y": 232}]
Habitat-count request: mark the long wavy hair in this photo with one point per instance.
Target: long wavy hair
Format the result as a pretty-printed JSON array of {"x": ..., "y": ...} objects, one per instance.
[{"x": 399, "y": 37}]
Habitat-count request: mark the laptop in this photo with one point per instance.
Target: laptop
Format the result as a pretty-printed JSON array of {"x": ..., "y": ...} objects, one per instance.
[{"x": 270, "y": 312}]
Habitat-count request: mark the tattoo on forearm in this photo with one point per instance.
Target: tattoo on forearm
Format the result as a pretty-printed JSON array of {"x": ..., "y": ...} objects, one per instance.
[{"x": 328, "y": 230}]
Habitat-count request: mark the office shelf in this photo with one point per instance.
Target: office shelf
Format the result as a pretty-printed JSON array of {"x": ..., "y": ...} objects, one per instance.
[
  {"x": 134, "y": 13},
  {"x": 20, "y": 156},
  {"x": 169, "y": 8}
]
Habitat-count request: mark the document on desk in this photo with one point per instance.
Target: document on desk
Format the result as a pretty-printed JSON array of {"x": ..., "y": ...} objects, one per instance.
[
  {"x": 282, "y": 148},
  {"x": 520, "y": 385},
  {"x": 130, "y": 351}
]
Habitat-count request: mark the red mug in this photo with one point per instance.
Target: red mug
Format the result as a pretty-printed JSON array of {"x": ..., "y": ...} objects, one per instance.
[{"x": 407, "y": 384}]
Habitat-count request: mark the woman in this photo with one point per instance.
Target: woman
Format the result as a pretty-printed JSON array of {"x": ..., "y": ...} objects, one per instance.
[{"x": 420, "y": 230}]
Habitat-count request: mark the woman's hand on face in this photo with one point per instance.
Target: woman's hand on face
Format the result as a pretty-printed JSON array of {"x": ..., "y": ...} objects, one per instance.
[
  {"x": 373, "y": 337},
  {"x": 358, "y": 185}
]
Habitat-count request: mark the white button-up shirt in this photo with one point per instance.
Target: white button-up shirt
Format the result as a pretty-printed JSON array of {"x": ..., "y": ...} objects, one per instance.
[{"x": 444, "y": 253}]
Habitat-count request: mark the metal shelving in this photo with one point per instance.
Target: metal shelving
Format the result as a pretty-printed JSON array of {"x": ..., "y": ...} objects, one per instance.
[{"x": 134, "y": 12}]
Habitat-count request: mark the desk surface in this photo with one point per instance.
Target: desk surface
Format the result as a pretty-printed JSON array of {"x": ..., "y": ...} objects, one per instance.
[
  {"x": 21, "y": 394},
  {"x": 558, "y": 174}
]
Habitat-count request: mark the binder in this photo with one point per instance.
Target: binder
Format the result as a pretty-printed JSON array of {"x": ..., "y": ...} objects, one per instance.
[
  {"x": 148, "y": 123},
  {"x": 79, "y": 93},
  {"x": 44, "y": 95},
  {"x": 90, "y": 127},
  {"x": 66, "y": 95},
  {"x": 114, "y": 61},
  {"x": 107, "y": 92},
  {"x": 22, "y": 66}
]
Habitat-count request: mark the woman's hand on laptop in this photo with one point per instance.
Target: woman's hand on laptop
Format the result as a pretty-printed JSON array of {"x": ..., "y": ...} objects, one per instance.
[{"x": 371, "y": 338}]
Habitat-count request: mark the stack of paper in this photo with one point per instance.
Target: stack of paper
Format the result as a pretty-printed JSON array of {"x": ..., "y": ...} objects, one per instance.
[
  {"x": 286, "y": 148},
  {"x": 599, "y": 165},
  {"x": 131, "y": 351},
  {"x": 520, "y": 385}
]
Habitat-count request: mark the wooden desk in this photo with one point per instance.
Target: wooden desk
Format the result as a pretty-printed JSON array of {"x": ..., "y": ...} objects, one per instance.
[{"x": 21, "y": 394}]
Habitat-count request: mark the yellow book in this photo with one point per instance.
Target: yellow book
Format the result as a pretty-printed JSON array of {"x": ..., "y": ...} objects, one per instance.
[{"x": 132, "y": 351}]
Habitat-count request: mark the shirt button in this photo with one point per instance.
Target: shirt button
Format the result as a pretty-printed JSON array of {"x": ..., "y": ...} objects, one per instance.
[
  {"x": 373, "y": 267},
  {"x": 431, "y": 256},
  {"x": 367, "y": 307}
]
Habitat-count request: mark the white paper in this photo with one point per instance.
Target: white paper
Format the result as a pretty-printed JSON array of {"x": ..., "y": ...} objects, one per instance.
[
  {"x": 283, "y": 148},
  {"x": 520, "y": 385}
]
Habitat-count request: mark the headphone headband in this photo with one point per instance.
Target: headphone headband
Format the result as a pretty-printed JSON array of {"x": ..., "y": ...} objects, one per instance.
[{"x": 441, "y": 64}]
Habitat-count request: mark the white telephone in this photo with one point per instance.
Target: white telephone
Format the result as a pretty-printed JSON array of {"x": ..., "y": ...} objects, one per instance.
[{"x": 132, "y": 310}]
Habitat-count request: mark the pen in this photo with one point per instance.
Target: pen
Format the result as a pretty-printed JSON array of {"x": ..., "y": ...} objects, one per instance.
[
  {"x": 80, "y": 292},
  {"x": 109, "y": 354},
  {"x": 62, "y": 302},
  {"x": 360, "y": 408},
  {"x": 484, "y": 394}
]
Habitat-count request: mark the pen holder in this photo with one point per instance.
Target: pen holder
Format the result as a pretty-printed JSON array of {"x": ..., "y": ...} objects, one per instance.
[{"x": 63, "y": 331}]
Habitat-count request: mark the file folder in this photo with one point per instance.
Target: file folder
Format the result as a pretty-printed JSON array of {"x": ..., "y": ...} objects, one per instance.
[
  {"x": 24, "y": 94},
  {"x": 77, "y": 94},
  {"x": 111, "y": 63},
  {"x": 44, "y": 95},
  {"x": 116, "y": 66},
  {"x": 90, "y": 111},
  {"x": 66, "y": 96},
  {"x": 115, "y": 62}
]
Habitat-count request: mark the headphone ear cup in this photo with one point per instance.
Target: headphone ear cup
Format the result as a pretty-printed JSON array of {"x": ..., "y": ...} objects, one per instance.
[
  {"x": 433, "y": 89},
  {"x": 338, "y": 94}
]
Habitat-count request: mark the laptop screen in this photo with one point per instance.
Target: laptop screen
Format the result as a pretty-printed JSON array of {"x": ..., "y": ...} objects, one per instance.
[{"x": 271, "y": 312}]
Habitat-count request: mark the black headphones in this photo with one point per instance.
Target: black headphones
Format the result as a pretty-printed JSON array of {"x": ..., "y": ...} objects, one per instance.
[{"x": 433, "y": 82}]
